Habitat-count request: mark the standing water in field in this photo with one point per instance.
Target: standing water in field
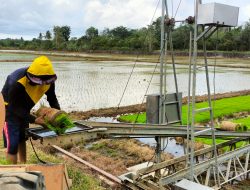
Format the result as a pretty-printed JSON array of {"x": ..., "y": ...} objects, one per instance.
[{"x": 85, "y": 85}]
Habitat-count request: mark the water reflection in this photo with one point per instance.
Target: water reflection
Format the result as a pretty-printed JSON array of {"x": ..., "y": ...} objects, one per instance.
[
  {"x": 168, "y": 145},
  {"x": 84, "y": 85}
]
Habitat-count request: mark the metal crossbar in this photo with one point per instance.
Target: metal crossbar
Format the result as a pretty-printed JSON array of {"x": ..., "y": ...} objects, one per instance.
[{"x": 233, "y": 165}]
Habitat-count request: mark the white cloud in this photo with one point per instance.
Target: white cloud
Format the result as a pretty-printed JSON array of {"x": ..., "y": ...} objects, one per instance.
[
  {"x": 246, "y": 12},
  {"x": 15, "y": 36},
  {"x": 112, "y": 13},
  {"x": 30, "y": 17}
]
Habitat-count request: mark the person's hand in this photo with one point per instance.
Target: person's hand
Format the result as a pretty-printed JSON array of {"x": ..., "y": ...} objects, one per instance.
[
  {"x": 32, "y": 118},
  {"x": 40, "y": 121}
]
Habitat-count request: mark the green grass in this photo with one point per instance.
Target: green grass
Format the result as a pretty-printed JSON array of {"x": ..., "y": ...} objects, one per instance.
[
  {"x": 103, "y": 149},
  {"x": 3, "y": 161},
  {"x": 223, "y": 107},
  {"x": 209, "y": 140},
  {"x": 79, "y": 178},
  {"x": 133, "y": 118},
  {"x": 244, "y": 121},
  {"x": 49, "y": 158},
  {"x": 82, "y": 181}
]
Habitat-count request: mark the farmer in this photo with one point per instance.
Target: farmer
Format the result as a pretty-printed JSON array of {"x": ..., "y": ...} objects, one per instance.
[{"x": 22, "y": 90}]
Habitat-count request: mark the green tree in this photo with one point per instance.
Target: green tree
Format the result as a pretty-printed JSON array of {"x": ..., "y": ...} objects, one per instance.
[
  {"x": 40, "y": 37},
  {"x": 120, "y": 32},
  {"x": 151, "y": 39},
  {"x": 48, "y": 35},
  {"x": 157, "y": 31},
  {"x": 91, "y": 33},
  {"x": 61, "y": 36},
  {"x": 72, "y": 44},
  {"x": 181, "y": 37},
  {"x": 58, "y": 38},
  {"x": 106, "y": 32},
  {"x": 65, "y": 30},
  {"x": 245, "y": 37}
]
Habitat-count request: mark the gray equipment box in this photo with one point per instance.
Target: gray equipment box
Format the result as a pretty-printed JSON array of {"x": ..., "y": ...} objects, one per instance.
[
  {"x": 215, "y": 13},
  {"x": 173, "y": 113}
]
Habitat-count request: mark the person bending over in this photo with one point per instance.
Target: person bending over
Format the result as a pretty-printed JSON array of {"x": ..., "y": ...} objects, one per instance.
[{"x": 22, "y": 90}]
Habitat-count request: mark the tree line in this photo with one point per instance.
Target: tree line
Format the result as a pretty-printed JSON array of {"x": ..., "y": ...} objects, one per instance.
[{"x": 146, "y": 39}]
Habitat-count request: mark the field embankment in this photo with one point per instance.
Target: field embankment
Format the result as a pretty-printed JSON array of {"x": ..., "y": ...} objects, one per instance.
[
  {"x": 222, "y": 59},
  {"x": 138, "y": 108}
]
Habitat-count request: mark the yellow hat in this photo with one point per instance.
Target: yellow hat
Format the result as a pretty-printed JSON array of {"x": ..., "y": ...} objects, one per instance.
[{"x": 41, "y": 66}]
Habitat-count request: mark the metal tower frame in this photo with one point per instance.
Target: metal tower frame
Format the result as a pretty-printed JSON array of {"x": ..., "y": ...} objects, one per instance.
[
  {"x": 191, "y": 134},
  {"x": 201, "y": 166},
  {"x": 166, "y": 40}
]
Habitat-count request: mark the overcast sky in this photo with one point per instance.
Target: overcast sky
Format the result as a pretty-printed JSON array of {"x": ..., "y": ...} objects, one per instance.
[{"x": 27, "y": 18}]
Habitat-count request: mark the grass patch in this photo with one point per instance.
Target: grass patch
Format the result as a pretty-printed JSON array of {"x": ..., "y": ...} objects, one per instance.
[
  {"x": 3, "y": 161},
  {"x": 49, "y": 158},
  {"x": 245, "y": 121},
  {"x": 209, "y": 141},
  {"x": 82, "y": 181},
  {"x": 222, "y": 108},
  {"x": 104, "y": 150},
  {"x": 133, "y": 118}
]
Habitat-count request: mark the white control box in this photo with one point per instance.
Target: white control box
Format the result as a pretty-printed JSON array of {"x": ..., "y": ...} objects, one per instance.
[{"x": 216, "y": 13}]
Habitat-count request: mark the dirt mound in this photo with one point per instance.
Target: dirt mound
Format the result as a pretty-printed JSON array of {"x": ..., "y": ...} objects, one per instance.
[{"x": 114, "y": 111}]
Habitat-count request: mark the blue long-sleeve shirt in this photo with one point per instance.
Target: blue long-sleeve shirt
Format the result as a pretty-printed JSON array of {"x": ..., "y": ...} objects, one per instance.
[{"x": 19, "y": 98}]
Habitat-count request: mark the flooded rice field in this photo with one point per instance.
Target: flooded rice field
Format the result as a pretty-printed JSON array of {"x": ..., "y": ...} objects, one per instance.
[{"x": 84, "y": 85}]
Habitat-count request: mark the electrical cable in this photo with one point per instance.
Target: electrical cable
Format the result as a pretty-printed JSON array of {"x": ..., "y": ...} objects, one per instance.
[
  {"x": 118, "y": 106},
  {"x": 148, "y": 162},
  {"x": 137, "y": 116},
  {"x": 153, "y": 71},
  {"x": 150, "y": 81},
  {"x": 43, "y": 162},
  {"x": 177, "y": 8},
  {"x": 165, "y": 146}
]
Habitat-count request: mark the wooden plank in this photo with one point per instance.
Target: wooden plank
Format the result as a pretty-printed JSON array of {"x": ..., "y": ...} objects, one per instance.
[
  {"x": 54, "y": 175},
  {"x": 12, "y": 168},
  {"x": 102, "y": 172}
]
